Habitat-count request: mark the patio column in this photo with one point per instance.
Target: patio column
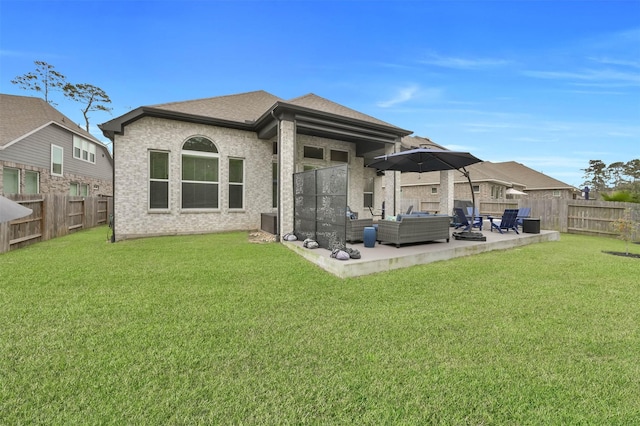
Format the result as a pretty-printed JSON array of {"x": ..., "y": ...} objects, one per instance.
[
  {"x": 286, "y": 169},
  {"x": 446, "y": 192},
  {"x": 391, "y": 181}
]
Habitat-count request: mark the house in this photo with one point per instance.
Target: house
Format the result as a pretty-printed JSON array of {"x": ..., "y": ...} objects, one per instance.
[
  {"x": 503, "y": 181},
  {"x": 43, "y": 151},
  {"x": 220, "y": 164}
]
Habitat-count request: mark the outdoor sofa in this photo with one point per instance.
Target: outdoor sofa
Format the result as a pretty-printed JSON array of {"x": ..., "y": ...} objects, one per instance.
[
  {"x": 355, "y": 229},
  {"x": 414, "y": 228}
]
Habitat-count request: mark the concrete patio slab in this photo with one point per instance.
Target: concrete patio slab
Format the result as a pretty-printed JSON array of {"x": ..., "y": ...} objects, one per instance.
[{"x": 385, "y": 257}]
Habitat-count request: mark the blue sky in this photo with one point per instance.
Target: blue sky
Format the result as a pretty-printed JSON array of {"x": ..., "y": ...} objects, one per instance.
[{"x": 550, "y": 84}]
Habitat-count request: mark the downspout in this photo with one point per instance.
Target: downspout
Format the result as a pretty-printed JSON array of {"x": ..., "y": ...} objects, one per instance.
[
  {"x": 279, "y": 214},
  {"x": 113, "y": 190}
]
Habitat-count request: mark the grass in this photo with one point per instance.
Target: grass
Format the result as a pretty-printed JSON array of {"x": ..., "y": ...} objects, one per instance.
[{"x": 212, "y": 329}]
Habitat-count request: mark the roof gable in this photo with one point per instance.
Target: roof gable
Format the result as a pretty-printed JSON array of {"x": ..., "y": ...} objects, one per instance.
[
  {"x": 241, "y": 108},
  {"x": 20, "y": 116}
]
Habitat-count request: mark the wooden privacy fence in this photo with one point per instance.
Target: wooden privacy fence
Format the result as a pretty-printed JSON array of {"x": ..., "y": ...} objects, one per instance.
[
  {"x": 588, "y": 217},
  {"x": 54, "y": 215}
]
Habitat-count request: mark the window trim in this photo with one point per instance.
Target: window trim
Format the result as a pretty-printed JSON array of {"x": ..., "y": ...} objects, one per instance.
[
  {"x": 241, "y": 184},
  {"x": 54, "y": 148},
  {"x": 200, "y": 154},
  {"x": 85, "y": 148},
  {"x": 167, "y": 180},
  {"x": 18, "y": 181}
]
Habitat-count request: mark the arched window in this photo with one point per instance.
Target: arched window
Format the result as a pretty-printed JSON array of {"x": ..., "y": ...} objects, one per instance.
[{"x": 200, "y": 174}]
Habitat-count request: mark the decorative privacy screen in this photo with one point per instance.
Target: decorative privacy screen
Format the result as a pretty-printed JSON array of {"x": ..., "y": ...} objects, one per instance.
[{"x": 320, "y": 205}]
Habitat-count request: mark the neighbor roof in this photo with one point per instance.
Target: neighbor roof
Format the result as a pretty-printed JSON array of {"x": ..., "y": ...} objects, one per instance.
[
  {"x": 21, "y": 116},
  {"x": 509, "y": 173}
]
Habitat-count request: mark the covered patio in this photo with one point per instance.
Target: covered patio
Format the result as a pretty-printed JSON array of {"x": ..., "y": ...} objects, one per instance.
[{"x": 386, "y": 257}]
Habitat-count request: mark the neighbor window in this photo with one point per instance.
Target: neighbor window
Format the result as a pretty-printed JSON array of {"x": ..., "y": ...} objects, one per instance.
[
  {"x": 556, "y": 193},
  {"x": 236, "y": 183},
  {"x": 11, "y": 179},
  {"x": 368, "y": 192},
  {"x": 158, "y": 180},
  {"x": 476, "y": 188},
  {"x": 434, "y": 190},
  {"x": 339, "y": 156},
  {"x": 199, "y": 174},
  {"x": 81, "y": 189},
  {"x": 31, "y": 182},
  {"x": 57, "y": 155},
  {"x": 497, "y": 191},
  {"x": 313, "y": 152},
  {"x": 83, "y": 149}
]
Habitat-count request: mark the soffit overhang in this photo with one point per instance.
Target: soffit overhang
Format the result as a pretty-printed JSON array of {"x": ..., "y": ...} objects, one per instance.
[{"x": 371, "y": 138}]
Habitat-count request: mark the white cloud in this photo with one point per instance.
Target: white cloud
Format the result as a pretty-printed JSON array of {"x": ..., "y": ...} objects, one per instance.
[
  {"x": 409, "y": 93},
  {"x": 463, "y": 63}
]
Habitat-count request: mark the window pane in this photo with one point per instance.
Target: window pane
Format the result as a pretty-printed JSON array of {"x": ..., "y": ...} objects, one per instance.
[
  {"x": 313, "y": 152},
  {"x": 159, "y": 165},
  {"x": 11, "y": 179},
  {"x": 202, "y": 169},
  {"x": 31, "y": 182},
  {"x": 56, "y": 160},
  {"x": 73, "y": 189},
  {"x": 235, "y": 196},
  {"x": 368, "y": 200},
  {"x": 341, "y": 156},
  {"x": 236, "y": 171},
  {"x": 159, "y": 195},
  {"x": 274, "y": 186},
  {"x": 199, "y": 195},
  {"x": 199, "y": 144}
]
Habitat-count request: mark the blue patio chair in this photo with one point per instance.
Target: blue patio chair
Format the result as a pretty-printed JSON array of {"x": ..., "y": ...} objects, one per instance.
[
  {"x": 475, "y": 217},
  {"x": 460, "y": 220},
  {"x": 509, "y": 221},
  {"x": 523, "y": 213}
]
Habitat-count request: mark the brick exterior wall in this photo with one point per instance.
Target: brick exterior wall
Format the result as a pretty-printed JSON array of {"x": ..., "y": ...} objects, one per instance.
[{"x": 134, "y": 219}]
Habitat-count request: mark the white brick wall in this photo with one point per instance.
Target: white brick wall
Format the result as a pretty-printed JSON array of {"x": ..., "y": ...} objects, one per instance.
[{"x": 131, "y": 158}]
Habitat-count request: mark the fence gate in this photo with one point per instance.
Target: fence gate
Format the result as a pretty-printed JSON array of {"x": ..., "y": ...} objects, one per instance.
[{"x": 320, "y": 205}]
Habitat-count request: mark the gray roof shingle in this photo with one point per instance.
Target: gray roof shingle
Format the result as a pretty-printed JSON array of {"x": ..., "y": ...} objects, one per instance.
[{"x": 21, "y": 115}]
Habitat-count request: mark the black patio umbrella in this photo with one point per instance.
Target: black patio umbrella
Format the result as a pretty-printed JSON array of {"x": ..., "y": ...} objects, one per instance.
[
  {"x": 10, "y": 210},
  {"x": 420, "y": 160}
]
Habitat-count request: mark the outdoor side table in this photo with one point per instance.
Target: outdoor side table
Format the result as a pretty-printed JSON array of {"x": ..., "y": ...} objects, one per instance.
[
  {"x": 369, "y": 236},
  {"x": 531, "y": 225}
]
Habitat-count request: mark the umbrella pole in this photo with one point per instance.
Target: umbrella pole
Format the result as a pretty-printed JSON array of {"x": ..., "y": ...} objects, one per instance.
[{"x": 470, "y": 235}]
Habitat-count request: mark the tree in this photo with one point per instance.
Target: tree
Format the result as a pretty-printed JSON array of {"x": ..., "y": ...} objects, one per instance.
[
  {"x": 44, "y": 79},
  {"x": 597, "y": 175},
  {"x": 615, "y": 171},
  {"x": 93, "y": 98}
]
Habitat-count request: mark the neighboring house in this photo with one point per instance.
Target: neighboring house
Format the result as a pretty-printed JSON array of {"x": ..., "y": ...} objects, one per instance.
[
  {"x": 43, "y": 151},
  {"x": 491, "y": 182},
  {"x": 218, "y": 164}
]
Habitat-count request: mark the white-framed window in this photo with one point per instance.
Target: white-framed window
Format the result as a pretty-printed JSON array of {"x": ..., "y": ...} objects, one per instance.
[
  {"x": 556, "y": 192},
  {"x": 11, "y": 180},
  {"x": 57, "y": 159},
  {"x": 84, "y": 150},
  {"x": 200, "y": 174},
  {"x": 236, "y": 183},
  {"x": 81, "y": 189},
  {"x": 497, "y": 191},
  {"x": 339, "y": 156},
  {"x": 158, "y": 179},
  {"x": 313, "y": 152},
  {"x": 476, "y": 188},
  {"x": 31, "y": 182},
  {"x": 368, "y": 192},
  {"x": 434, "y": 190}
]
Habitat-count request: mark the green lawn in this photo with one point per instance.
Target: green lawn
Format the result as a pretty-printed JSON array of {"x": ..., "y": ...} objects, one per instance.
[{"x": 213, "y": 329}]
